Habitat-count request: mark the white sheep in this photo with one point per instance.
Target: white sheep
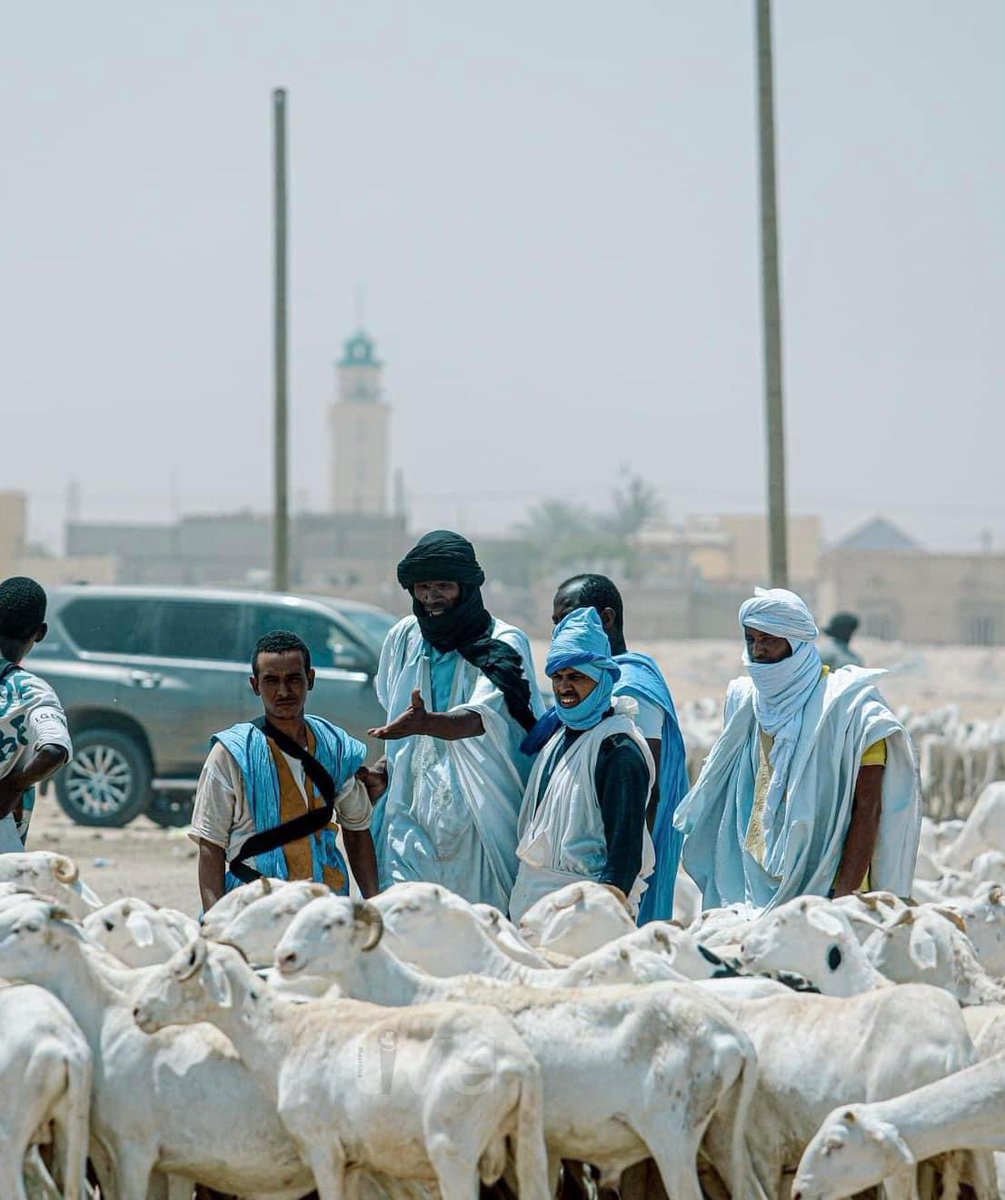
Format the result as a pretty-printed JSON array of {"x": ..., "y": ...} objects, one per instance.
[
  {"x": 257, "y": 928},
  {"x": 213, "y": 921},
  {"x": 430, "y": 1094},
  {"x": 679, "y": 1058},
  {"x": 137, "y": 933},
  {"x": 575, "y": 919},
  {"x": 928, "y": 944},
  {"x": 181, "y": 1102},
  {"x": 816, "y": 939},
  {"x": 860, "y": 1145},
  {"x": 51, "y": 875},
  {"x": 46, "y": 1067}
]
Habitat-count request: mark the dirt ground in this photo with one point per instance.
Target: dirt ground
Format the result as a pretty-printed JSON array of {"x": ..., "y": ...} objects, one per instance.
[
  {"x": 140, "y": 860},
  {"x": 160, "y": 865}
]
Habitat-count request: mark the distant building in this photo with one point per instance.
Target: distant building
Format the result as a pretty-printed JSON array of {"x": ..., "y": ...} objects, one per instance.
[
  {"x": 354, "y": 555},
  {"x": 733, "y": 548},
  {"x": 881, "y": 535},
  {"x": 900, "y": 592},
  {"x": 360, "y": 425}
]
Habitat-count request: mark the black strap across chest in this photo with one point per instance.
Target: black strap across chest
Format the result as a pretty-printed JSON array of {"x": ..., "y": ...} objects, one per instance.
[{"x": 302, "y": 826}]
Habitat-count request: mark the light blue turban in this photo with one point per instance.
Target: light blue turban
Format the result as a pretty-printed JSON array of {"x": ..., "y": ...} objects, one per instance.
[
  {"x": 579, "y": 641},
  {"x": 781, "y": 613}
]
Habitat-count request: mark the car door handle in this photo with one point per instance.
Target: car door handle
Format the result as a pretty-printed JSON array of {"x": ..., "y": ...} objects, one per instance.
[{"x": 144, "y": 679}]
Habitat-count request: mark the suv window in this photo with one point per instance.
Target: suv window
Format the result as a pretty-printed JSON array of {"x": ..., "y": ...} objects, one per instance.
[
  {"x": 329, "y": 644},
  {"x": 199, "y": 629},
  {"x": 110, "y": 626}
]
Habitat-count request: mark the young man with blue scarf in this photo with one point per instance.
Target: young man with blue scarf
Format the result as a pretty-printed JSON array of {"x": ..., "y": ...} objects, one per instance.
[
  {"x": 812, "y": 788},
  {"x": 584, "y": 809},
  {"x": 643, "y": 681},
  {"x": 261, "y": 775}
]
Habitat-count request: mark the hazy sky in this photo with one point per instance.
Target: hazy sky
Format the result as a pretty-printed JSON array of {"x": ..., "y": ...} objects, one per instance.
[{"x": 553, "y": 208}]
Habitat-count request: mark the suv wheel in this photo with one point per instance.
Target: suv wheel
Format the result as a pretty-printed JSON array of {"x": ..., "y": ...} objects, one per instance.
[{"x": 108, "y": 780}]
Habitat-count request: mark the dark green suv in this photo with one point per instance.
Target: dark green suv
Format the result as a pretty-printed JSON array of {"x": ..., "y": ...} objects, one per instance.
[{"x": 147, "y": 675}]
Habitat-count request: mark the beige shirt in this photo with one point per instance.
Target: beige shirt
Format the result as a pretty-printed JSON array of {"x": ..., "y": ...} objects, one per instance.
[{"x": 222, "y": 816}]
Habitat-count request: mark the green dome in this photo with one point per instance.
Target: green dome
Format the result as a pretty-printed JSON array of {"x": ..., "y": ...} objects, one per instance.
[{"x": 359, "y": 351}]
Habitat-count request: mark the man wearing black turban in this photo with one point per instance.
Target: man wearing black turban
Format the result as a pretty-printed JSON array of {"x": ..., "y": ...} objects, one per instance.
[{"x": 460, "y": 692}]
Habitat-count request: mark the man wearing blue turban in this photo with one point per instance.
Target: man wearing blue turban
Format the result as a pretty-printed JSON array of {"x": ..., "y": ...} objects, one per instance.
[
  {"x": 812, "y": 788},
  {"x": 642, "y": 679},
  {"x": 584, "y": 809}
]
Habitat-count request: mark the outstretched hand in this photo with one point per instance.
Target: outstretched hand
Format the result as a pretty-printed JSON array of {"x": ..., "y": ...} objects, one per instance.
[{"x": 408, "y": 724}]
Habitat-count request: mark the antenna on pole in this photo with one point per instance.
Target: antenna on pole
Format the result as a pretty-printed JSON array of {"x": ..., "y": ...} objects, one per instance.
[
  {"x": 281, "y": 501},
  {"x": 771, "y": 303}
]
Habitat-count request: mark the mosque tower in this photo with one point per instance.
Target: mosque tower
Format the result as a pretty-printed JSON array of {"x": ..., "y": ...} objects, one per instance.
[{"x": 359, "y": 430}]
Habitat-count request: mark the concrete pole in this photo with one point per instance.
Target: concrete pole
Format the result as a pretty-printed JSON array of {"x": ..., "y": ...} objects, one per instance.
[
  {"x": 280, "y": 512},
  {"x": 772, "y": 307}
]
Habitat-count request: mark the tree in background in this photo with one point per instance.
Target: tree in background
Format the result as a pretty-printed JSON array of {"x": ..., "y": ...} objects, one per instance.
[{"x": 566, "y": 536}]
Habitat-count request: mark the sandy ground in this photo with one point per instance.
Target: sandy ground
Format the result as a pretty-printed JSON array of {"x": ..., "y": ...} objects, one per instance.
[
  {"x": 140, "y": 860},
  {"x": 160, "y": 865}
]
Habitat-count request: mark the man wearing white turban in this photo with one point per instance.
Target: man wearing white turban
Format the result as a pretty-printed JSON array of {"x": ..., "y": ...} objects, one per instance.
[{"x": 812, "y": 787}]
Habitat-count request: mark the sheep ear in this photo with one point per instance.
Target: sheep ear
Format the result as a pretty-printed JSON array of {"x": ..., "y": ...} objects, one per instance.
[
  {"x": 826, "y": 922},
  {"x": 888, "y": 1136},
  {"x": 219, "y": 985},
  {"x": 922, "y": 948},
  {"x": 140, "y": 929}
]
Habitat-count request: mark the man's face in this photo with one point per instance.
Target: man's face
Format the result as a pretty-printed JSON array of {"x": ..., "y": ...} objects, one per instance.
[
  {"x": 571, "y": 687},
  {"x": 568, "y": 600},
  {"x": 437, "y": 596},
  {"x": 765, "y": 647},
  {"x": 283, "y": 684}
]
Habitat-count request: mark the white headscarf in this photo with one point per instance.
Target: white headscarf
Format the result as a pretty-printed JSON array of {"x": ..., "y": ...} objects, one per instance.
[{"x": 782, "y": 689}]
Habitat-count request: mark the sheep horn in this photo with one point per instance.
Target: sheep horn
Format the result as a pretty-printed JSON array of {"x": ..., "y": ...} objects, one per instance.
[
  {"x": 995, "y": 895},
  {"x": 869, "y": 899},
  {"x": 65, "y": 870},
  {"x": 905, "y": 918},
  {"x": 319, "y": 889},
  {"x": 198, "y": 950},
  {"x": 368, "y": 914},
  {"x": 955, "y": 917},
  {"x": 618, "y": 893},
  {"x": 575, "y": 897},
  {"x": 266, "y": 886}
]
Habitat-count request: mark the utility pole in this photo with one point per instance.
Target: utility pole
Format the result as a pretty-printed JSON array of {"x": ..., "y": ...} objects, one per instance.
[
  {"x": 280, "y": 512},
  {"x": 771, "y": 304}
]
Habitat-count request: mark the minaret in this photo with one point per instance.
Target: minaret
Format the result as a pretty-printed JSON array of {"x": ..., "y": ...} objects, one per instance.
[{"x": 359, "y": 430}]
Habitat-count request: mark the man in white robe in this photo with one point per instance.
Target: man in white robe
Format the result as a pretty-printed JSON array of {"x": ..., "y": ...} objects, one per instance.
[
  {"x": 812, "y": 787},
  {"x": 460, "y": 692}
]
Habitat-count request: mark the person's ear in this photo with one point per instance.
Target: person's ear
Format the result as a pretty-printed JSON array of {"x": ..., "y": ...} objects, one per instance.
[
  {"x": 253, "y": 680},
  {"x": 608, "y": 617},
  {"x": 310, "y": 680},
  {"x": 40, "y": 633}
]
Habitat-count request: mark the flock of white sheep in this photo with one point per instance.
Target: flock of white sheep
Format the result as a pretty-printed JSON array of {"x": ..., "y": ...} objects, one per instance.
[{"x": 296, "y": 1040}]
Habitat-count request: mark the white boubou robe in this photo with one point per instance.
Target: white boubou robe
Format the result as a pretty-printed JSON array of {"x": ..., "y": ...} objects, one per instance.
[
  {"x": 844, "y": 715},
  {"x": 449, "y": 814},
  {"x": 562, "y": 838}
]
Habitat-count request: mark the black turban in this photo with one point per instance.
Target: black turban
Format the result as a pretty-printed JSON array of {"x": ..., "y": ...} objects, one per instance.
[
  {"x": 446, "y": 556},
  {"x": 22, "y": 607}
]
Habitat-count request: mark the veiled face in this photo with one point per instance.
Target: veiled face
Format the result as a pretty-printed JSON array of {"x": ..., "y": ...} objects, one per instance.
[
  {"x": 765, "y": 647},
  {"x": 437, "y": 596},
  {"x": 571, "y": 687}
]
